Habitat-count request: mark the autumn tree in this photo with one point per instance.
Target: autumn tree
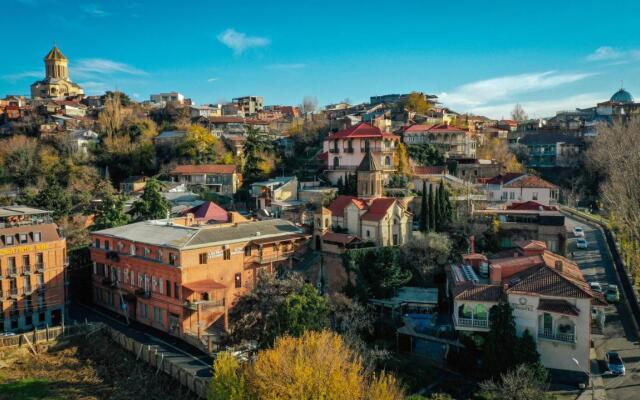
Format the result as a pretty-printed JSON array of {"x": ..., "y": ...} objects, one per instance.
[
  {"x": 524, "y": 382},
  {"x": 110, "y": 118},
  {"x": 518, "y": 114},
  {"x": 417, "y": 102},
  {"x": 402, "y": 160},
  {"x": 199, "y": 146},
  {"x": 228, "y": 381},
  {"x": 315, "y": 366},
  {"x": 498, "y": 150},
  {"x": 20, "y": 160},
  {"x": 426, "y": 256}
]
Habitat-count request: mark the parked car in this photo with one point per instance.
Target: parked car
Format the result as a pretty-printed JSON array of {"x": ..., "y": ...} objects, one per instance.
[
  {"x": 596, "y": 287},
  {"x": 614, "y": 363},
  {"x": 581, "y": 243},
  {"x": 578, "y": 231},
  {"x": 612, "y": 295}
]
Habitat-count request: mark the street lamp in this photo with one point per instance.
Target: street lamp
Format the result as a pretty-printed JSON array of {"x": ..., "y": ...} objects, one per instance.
[{"x": 588, "y": 372}]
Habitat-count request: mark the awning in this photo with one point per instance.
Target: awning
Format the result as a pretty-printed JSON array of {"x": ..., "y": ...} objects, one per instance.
[{"x": 203, "y": 286}]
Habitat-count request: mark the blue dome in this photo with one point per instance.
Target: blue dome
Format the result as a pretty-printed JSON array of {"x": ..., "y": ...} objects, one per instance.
[{"x": 622, "y": 96}]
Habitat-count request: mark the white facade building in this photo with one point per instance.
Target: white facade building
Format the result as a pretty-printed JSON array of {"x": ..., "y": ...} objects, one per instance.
[{"x": 516, "y": 187}]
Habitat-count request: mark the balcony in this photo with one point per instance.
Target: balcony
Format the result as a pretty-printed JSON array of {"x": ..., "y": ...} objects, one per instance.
[
  {"x": 145, "y": 294},
  {"x": 13, "y": 293},
  {"x": 281, "y": 256},
  {"x": 40, "y": 268},
  {"x": 471, "y": 323},
  {"x": 106, "y": 281},
  {"x": 13, "y": 272},
  {"x": 203, "y": 304},
  {"x": 28, "y": 290},
  {"x": 26, "y": 270},
  {"x": 548, "y": 334}
]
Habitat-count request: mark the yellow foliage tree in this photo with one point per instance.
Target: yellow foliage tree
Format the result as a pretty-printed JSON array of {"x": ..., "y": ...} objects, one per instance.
[
  {"x": 402, "y": 160},
  {"x": 317, "y": 365},
  {"x": 498, "y": 150},
  {"x": 417, "y": 103},
  {"x": 200, "y": 146},
  {"x": 228, "y": 382}
]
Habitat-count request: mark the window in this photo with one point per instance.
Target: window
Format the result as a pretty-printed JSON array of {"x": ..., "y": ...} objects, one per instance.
[
  {"x": 157, "y": 314},
  {"x": 172, "y": 259},
  {"x": 203, "y": 258},
  {"x": 247, "y": 251},
  {"x": 37, "y": 237},
  {"x": 159, "y": 255},
  {"x": 144, "y": 310},
  {"x": 8, "y": 240},
  {"x": 512, "y": 195},
  {"x": 168, "y": 288},
  {"x": 176, "y": 293},
  {"x": 368, "y": 233},
  {"x": 336, "y": 162},
  {"x": 238, "y": 280},
  {"x": 39, "y": 259},
  {"x": 227, "y": 254},
  {"x": 97, "y": 244},
  {"x": 534, "y": 196},
  {"x": 160, "y": 286},
  {"x": 26, "y": 262},
  {"x": 132, "y": 249},
  {"x": 11, "y": 262},
  {"x": 23, "y": 238},
  {"x": 505, "y": 195},
  {"x": 147, "y": 252},
  {"x": 140, "y": 280}
]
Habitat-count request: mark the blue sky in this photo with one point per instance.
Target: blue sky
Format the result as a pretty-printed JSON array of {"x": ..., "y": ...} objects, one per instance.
[{"x": 477, "y": 56}]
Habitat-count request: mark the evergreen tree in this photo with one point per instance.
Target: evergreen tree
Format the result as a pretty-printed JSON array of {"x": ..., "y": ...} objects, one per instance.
[
  {"x": 340, "y": 185},
  {"x": 424, "y": 211},
  {"x": 53, "y": 197},
  {"x": 448, "y": 206},
  {"x": 527, "y": 350},
  {"x": 151, "y": 204},
  {"x": 253, "y": 145},
  {"x": 110, "y": 213},
  {"x": 438, "y": 209},
  {"x": 432, "y": 211},
  {"x": 501, "y": 345}
]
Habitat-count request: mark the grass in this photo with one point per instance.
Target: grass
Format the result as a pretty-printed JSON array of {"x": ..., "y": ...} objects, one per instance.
[{"x": 26, "y": 389}]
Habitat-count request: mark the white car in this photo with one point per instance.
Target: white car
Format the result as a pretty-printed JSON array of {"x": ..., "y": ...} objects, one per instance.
[
  {"x": 578, "y": 231},
  {"x": 581, "y": 243},
  {"x": 596, "y": 287}
]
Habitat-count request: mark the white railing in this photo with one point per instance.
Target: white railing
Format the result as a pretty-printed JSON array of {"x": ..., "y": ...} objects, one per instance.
[
  {"x": 561, "y": 337},
  {"x": 471, "y": 322}
]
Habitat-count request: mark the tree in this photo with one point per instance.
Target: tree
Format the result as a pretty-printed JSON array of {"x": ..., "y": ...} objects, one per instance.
[
  {"x": 317, "y": 365},
  {"x": 110, "y": 212},
  {"x": 125, "y": 100},
  {"x": 228, "y": 381},
  {"x": 438, "y": 209},
  {"x": 527, "y": 350},
  {"x": 275, "y": 307},
  {"x": 199, "y": 146},
  {"x": 151, "y": 204},
  {"x": 110, "y": 118},
  {"x": 496, "y": 149},
  {"x": 518, "y": 114},
  {"x": 309, "y": 104},
  {"x": 524, "y": 382},
  {"x": 432, "y": 210},
  {"x": 501, "y": 342},
  {"x": 426, "y": 256},
  {"x": 254, "y": 146},
  {"x": 425, "y": 154},
  {"x": 55, "y": 198},
  {"x": 424, "y": 209},
  {"x": 378, "y": 272},
  {"x": 417, "y": 102},
  {"x": 340, "y": 185},
  {"x": 402, "y": 160},
  {"x": 19, "y": 156}
]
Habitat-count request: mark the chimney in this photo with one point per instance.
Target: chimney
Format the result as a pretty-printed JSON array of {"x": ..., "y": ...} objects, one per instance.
[
  {"x": 472, "y": 244},
  {"x": 558, "y": 265}
]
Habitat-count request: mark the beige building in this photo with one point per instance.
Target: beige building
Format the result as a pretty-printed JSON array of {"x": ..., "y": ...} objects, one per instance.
[{"x": 56, "y": 83}]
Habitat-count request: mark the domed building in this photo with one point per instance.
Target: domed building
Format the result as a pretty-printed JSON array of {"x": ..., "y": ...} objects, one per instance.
[
  {"x": 56, "y": 83},
  {"x": 622, "y": 96}
]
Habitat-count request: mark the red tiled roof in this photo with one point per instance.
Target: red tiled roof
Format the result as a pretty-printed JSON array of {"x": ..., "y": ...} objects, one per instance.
[
  {"x": 473, "y": 292},
  {"x": 530, "y": 181},
  {"x": 531, "y": 245},
  {"x": 417, "y": 128},
  {"x": 378, "y": 208},
  {"x": 203, "y": 285},
  {"x": 362, "y": 130},
  {"x": 558, "y": 306},
  {"x": 342, "y": 238},
  {"x": 503, "y": 178},
  {"x": 433, "y": 170},
  {"x": 530, "y": 206},
  {"x": 204, "y": 169},
  {"x": 337, "y": 206},
  {"x": 435, "y": 128},
  {"x": 209, "y": 211}
]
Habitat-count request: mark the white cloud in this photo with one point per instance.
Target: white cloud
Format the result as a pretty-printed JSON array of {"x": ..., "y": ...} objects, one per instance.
[
  {"x": 607, "y": 53},
  {"x": 541, "y": 108},
  {"x": 239, "y": 42},
  {"x": 103, "y": 66},
  {"x": 213, "y": 79},
  {"x": 482, "y": 92},
  {"x": 287, "y": 66},
  {"x": 94, "y": 11},
  {"x": 22, "y": 75}
]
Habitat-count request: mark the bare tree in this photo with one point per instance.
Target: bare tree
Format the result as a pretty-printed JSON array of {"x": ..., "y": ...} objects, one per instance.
[
  {"x": 111, "y": 119},
  {"x": 518, "y": 113},
  {"x": 309, "y": 104}
]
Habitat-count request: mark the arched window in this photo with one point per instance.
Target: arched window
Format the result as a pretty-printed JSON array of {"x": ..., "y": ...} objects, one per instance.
[
  {"x": 387, "y": 160},
  {"x": 465, "y": 311},
  {"x": 565, "y": 326},
  {"x": 336, "y": 162}
]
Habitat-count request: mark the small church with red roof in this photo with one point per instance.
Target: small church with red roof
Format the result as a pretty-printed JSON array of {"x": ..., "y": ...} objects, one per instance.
[{"x": 369, "y": 217}]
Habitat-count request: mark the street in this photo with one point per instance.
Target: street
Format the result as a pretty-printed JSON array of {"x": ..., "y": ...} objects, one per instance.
[
  {"x": 179, "y": 352},
  {"x": 619, "y": 332}
]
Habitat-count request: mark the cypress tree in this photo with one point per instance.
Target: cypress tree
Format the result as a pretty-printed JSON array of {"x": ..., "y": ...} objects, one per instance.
[
  {"x": 447, "y": 205},
  {"x": 340, "y": 186},
  {"x": 438, "y": 210},
  {"x": 424, "y": 211},
  {"x": 432, "y": 211}
]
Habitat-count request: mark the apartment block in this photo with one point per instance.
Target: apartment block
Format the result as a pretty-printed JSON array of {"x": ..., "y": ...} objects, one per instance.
[
  {"x": 181, "y": 277},
  {"x": 33, "y": 257}
]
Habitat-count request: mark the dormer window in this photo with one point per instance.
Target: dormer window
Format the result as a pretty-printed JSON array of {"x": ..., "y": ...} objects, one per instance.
[
  {"x": 23, "y": 238},
  {"x": 8, "y": 240},
  {"x": 37, "y": 236}
]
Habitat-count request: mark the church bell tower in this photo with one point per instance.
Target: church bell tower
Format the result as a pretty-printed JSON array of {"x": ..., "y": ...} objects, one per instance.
[{"x": 369, "y": 177}]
